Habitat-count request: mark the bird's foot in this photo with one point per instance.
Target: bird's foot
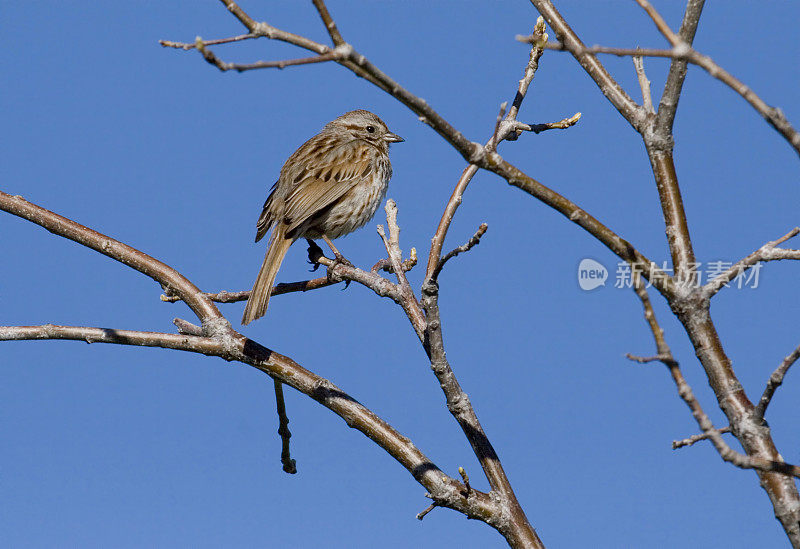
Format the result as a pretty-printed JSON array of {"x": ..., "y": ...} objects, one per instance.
[
  {"x": 339, "y": 260},
  {"x": 314, "y": 254}
]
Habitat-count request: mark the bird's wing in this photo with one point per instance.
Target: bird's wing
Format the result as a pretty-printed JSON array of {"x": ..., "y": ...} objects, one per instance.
[
  {"x": 323, "y": 178},
  {"x": 267, "y": 215}
]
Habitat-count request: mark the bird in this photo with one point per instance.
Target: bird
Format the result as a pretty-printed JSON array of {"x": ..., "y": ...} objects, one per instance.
[{"x": 329, "y": 187}]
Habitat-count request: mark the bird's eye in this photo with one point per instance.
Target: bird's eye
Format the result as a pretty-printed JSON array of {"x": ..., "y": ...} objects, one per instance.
[{"x": 371, "y": 129}]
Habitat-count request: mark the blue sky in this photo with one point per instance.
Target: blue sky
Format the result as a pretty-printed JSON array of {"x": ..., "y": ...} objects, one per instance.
[{"x": 128, "y": 447}]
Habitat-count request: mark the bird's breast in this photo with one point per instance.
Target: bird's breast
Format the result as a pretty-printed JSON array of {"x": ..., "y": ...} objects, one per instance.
[{"x": 358, "y": 205}]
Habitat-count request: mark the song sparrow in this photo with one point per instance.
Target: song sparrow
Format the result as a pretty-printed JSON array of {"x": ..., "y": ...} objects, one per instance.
[{"x": 329, "y": 187}]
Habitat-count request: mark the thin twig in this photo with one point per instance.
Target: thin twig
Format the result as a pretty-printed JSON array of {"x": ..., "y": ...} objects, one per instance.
[
  {"x": 773, "y": 115},
  {"x": 644, "y": 83},
  {"x": 775, "y": 381},
  {"x": 713, "y": 434},
  {"x": 386, "y": 265},
  {"x": 244, "y": 295},
  {"x": 209, "y": 56},
  {"x": 339, "y": 271},
  {"x": 183, "y": 342},
  {"x": 502, "y": 130},
  {"x": 661, "y": 25},
  {"x": 165, "y": 275},
  {"x": 562, "y": 124},
  {"x": 446, "y": 490},
  {"x": 668, "y": 103},
  {"x": 664, "y": 352},
  {"x": 428, "y": 509},
  {"x": 465, "y": 478},
  {"x": 289, "y": 465},
  {"x": 186, "y": 327},
  {"x": 450, "y": 208},
  {"x": 608, "y": 50},
  {"x": 696, "y": 438},
  {"x": 474, "y": 153},
  {"x": 768, "y": 252},
  {"x": 626, "y": 106},
  {"x": 467, "y": 246},
  {"x": 192, "y": 45},
  {"x": 392, "y": 244},
  {"x": 495, "y": 136},
  {"x": 329, "y": 23},
  {"x": 726, "y": 452}
]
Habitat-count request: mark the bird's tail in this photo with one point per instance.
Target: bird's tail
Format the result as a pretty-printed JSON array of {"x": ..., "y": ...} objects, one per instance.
[{"x": 262, "y": 289}]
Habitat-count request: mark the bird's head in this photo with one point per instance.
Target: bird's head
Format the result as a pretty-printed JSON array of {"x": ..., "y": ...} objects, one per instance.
[{"x": 365, "y": 126}]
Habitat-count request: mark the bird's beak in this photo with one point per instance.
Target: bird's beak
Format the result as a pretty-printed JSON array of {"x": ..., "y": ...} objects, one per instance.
[{"x": 393, "y": 138}]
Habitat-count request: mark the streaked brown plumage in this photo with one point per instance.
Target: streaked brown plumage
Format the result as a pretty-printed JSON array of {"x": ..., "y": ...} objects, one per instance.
[{"x": 329, "y": 187}]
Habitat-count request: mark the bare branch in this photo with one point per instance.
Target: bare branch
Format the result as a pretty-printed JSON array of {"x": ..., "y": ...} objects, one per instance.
[
  {"x": 665, "y": 359},
  {"x": 465, "y": 478},
  {"x": 186, "y": 327},
  {"x": 768, "y": 252},
  {"x": 664, "y": 352},
  {"x": 626, "y": 106},
  {"x": 472, "y": 152},
  {"x": 644, "y": 83},
  {"x": 505, "y": 126},
  {"x": 289, "y": 465},
  {"x": 386, "y": 265},
  {"x": 659, "y": 144},
  {"x": 773, "y": 115},
  {"x": 562, "y": 124},
  {"x": 445, "y": 490},
  {"x": 471, "y": 243},
  {"x": 239, "y": 13},
  {"x": 668, "y": 105},
  {"x": 164, "y": 274},
  {"x": 447, "y": 218},
  {"x": 618, "y": 245},
  {"x": 496, "y": 135},
  {"x": 192, "y": 45},
  {"x": 684, "y": 390},
  {"x": 775, "y": 381},
  {"x": 278, "y": 289},
  {"x": 713, "y": 434},
  {"x": 209, "y": 56},
  {"x": 329, "y": 23},
  {"x": 428, "y": 509},
  {"x": 619, "y": 52},
  {"x": 661, "y": 25},
  {"x": 362, "y": 67},
  {"x": 459, "y": 405},
  {"x": 407, "y": 299},
  {"x": 340, "y": 271},
  {"x": 183, "y": 342},
  {"x": 709, "y": 431},
  {"x": 676, "y": 444},
  {"x": 537, "y": 49}
]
